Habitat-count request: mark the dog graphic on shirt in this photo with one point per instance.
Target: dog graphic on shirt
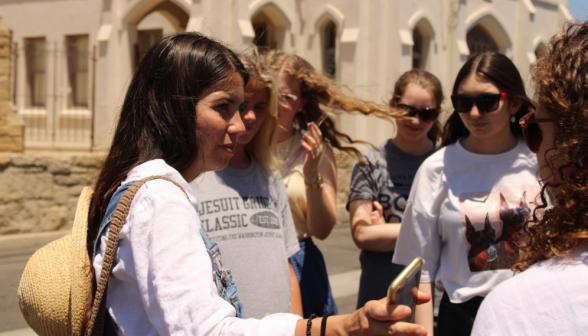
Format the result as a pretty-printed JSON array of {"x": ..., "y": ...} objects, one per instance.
[{"x": 493, "y": 247}]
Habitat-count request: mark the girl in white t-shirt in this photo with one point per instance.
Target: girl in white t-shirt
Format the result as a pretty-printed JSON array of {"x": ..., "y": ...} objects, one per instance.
[
  {"x": 549, "y": 297},
  {"x": 469, "y": 200}
]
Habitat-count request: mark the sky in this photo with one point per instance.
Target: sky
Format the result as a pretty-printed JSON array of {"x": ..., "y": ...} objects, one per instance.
[{"x": 579, "y": 9}]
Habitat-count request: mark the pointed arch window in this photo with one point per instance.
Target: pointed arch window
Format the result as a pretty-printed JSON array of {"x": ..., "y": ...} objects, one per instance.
[
  {"x": 541, "y": 50},
  {"x": 330, "y": 49},
  {"x": 417, "y": 49},
  {"x": 479, "y": 41},
  {"x": 265, "y": 35}
]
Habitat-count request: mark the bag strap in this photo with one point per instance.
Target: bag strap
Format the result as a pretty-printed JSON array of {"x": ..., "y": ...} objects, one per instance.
[
  {"x": 292, "y": 159},
  {"x": 96, "y": 324}
]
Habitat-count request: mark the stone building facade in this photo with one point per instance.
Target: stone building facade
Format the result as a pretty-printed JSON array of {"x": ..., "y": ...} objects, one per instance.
[
  {"x": 71, "y": 62},
  {"x": 74, "y": 58}
]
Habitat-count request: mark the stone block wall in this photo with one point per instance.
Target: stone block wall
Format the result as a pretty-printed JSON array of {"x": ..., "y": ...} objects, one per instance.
[{"x": 40, "y": 193}]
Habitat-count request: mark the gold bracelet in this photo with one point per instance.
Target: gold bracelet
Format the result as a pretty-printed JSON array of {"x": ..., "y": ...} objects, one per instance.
[{"x": 317, "y": 185}]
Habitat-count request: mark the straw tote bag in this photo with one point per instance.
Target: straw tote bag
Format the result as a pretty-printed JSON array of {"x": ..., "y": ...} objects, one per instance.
[{"x": 56, "y": 286}]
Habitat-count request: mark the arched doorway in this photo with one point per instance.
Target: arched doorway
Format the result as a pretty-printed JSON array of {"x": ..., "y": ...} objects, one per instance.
[
  {"x": 163, "y": 19},
  {"x": 270, "y": 26},
  {"x": 479, "y": 41}
]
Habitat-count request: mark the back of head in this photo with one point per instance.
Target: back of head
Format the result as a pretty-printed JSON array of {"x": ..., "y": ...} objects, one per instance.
[
  {"x": 427, "y": 81},
  {"x": 263, "y": 146},
  {"x": 502, "y": 72},
  {"x": 158, "y": 117},
  {"x": 561, "y": 86}
]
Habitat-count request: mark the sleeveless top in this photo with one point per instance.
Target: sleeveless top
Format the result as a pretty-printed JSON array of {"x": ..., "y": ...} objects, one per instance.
[{"x": 294, "y": 180}]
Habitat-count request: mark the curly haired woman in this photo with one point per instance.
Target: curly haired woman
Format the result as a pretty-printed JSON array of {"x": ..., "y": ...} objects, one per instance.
[
  {"x": 549, "y": 297},
  {"x": 309, "y": 170}
]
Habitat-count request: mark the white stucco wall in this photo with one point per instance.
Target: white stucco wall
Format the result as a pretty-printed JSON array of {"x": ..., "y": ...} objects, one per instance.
[{"x": 374, "y": 39}]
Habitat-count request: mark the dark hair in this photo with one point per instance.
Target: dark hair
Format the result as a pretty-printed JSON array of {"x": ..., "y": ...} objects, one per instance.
[
  {"x": 504, "y": 74},
  {"x": 158, "y": 116},
  {"x": 427, "y": 81},
  {"x": 561, "y": 79}
]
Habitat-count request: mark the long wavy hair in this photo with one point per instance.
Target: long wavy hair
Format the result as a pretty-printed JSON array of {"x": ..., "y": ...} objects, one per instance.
[
  {"x": 502, "y": 72},
  {"x": 321, "y": 91},
  {"x": 158, "y": 117},
  {"x": 427, "y": 81},
  {"x": 263, "y": 146},
  {"x": 561, "y": 86}
]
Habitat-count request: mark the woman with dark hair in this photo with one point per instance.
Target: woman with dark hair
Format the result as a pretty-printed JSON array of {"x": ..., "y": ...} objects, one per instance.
[
  {"x": 380, "y": 186},
  {"x": 469, "y": 199},
  {"x": 549, "y": 296},
  {"x": 305, "y": 141},
  {"x": 180, "y": 118}
]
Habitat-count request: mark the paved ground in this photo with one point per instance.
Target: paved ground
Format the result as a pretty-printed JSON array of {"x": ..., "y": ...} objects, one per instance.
[{"x": 341, "y": 256}]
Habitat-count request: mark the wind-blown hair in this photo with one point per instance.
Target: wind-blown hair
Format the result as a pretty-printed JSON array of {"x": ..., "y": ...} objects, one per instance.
[
  {"x": 427, "y": 81},
  {"x": 502, "y": 72},
  {"x": 263, "y": 146},
  {"x": 561, "y": 86},
  {"x": 320, "y": 90}
]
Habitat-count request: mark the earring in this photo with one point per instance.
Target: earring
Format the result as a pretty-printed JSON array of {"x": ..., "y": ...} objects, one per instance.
[{"x": 513, "y": 119}]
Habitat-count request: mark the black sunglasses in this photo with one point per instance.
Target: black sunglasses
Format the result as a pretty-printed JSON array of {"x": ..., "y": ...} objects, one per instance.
[
  {"x": 425, "y": 115},
  {"x": 531, "y": 130},
  {"x": 485, "y": 103}
]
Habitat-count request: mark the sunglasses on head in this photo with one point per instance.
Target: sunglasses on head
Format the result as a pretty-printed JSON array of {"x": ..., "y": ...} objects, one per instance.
[
  {"x": 485, "y": 103},
  {"x": 425, "y": 115},
  {"x": 531, "y": 130}
]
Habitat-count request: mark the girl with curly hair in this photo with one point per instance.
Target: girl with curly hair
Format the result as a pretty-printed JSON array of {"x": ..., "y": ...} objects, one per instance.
[
  {"x": 305, "y": 141},
  {"x": 549, "y": 296},
  {"x": 468, "y": 201}
]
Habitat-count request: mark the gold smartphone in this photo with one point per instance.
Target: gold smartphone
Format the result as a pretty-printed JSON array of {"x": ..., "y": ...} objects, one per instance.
[{"x": 404, "y": 289}]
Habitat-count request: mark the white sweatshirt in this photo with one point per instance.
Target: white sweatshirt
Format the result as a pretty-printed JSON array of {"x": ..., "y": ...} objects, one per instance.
[{"x": 162, "y": 276}]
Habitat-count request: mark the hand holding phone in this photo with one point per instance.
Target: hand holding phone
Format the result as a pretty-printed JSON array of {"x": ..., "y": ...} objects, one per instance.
[{"x": 404, "y": 289}]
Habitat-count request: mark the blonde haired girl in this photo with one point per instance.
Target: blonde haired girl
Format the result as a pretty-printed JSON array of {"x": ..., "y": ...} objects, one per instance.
[
  {"x": 245, "y": 206},
  {"x": 311, "y": 178}
]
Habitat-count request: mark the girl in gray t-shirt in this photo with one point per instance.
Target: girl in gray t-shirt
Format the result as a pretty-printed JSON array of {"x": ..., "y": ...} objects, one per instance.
[
  {"x": 244, "y": 207},
  {"x": 380, "y": 186}
]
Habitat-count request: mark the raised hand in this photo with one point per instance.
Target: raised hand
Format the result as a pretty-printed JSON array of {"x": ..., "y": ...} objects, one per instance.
[{"x": 312, "y": 141}]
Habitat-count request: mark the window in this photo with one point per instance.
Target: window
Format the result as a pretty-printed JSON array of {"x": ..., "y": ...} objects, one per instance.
[
  {"x": 265, "y": 31},
  {"x": 541, "y": 50},
  {"x": 330, "y": 45},
  {"x": 78, "y": 59},
  {"x": 146, "y": 40},
  {"x": 36, "y": 61},
  {"x": 479, "y": 41},
  {"x": 260, "y": 29},
  {"x": 417, "y": 49}
]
